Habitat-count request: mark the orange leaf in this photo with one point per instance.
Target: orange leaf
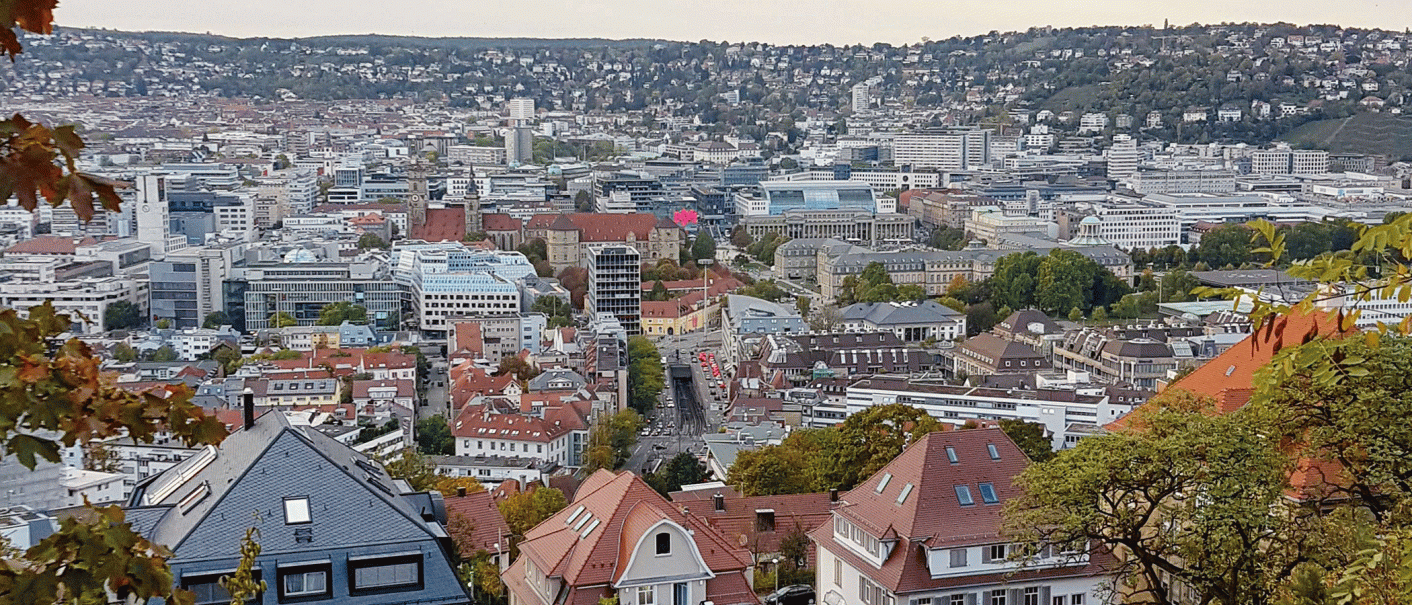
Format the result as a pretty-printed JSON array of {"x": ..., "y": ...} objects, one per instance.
[{"x": 34, "y": 15}]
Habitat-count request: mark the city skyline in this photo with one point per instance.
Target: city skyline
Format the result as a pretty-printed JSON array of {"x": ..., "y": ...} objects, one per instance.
[{"x": 844, "y": 21}]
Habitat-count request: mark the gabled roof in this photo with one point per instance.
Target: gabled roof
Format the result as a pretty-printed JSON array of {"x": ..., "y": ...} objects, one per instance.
[
  {"x": 487, "y": 528},
  {"x": 443, "y": 225},
  {"x": 213, "y": 497},
  {"x": 624, "y": 507}
]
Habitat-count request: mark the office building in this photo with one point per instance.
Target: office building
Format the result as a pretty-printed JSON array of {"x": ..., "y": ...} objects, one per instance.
[
  {"x": 187, "y": 285},
  {"x": 943, "y": 149},
  {"x": 615, "y": 284},
  {"x": 862, "y": 97},
  {"x": 521, "y": 110},
  {"x": 449, "y": 281},
  {"x": 301, "y": 287},
  {"x": 776, "y": 197},
  {"x": 1122, "y": 157}
]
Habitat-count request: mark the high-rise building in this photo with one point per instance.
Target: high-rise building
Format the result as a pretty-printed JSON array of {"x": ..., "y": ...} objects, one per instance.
[
  {"x": 187, "y": 285},
  {"x": 1122, "y": 157},
  {"x": 944, "y": 149},
  {"x": 615, "y": 284},
  {"x": 519, "y": 145},
  {"x": 521, "y": 110},
  {"x": 862, "y": 97}
]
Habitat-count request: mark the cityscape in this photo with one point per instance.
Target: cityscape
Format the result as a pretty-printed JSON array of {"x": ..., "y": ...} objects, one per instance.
[{"x": 1053, "y": 316}]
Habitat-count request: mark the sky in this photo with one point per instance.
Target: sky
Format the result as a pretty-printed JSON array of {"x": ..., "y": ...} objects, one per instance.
[{"x": 774, "y": 21}]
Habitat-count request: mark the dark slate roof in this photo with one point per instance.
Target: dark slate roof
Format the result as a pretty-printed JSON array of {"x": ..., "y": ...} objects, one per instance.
[
  {"x": 352, "y": 501},
  {"x": 884, "y": 314}
]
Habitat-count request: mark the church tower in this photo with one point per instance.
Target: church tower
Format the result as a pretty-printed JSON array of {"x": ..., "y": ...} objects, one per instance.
[
  {"x": 416, "y": 192},
  {"x": 474, "y": 223}
]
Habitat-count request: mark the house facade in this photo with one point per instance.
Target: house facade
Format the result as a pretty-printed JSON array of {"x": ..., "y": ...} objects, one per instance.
[{"x": 926, "y": 530}]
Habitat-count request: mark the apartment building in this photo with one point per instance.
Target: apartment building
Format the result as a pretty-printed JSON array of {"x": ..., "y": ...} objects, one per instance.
[
  {"x": 615, "y": 284},
  {"x": 943, "y": 149}
]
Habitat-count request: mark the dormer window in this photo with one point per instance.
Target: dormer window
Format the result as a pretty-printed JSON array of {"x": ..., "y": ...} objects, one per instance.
[{"x": 664, "y": 542}]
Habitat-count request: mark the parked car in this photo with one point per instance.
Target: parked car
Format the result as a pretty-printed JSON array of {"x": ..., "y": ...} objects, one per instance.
[{"x": 796, "y": 594}]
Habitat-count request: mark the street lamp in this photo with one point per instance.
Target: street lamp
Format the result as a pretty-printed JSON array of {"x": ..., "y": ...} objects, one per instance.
[
  {"x": 776, "y": 561},
  {"x": 705, "y": 264}
]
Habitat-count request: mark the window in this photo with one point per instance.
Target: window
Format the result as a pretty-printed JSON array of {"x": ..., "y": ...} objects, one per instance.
[
  {"x": 994, "y": 453},
  {"x": 304, "y": 581},
  {"x": 988, "y": 493},
  {"x": 963, "y": 495},
  {"x": 882, "y": 484},
  {"x": 1031, "y": 596},
  {"x": 997, "y": 597},
  {"x": 951, "y": 454},
  {"x": 838, "y": 572},
  {"x": 958, "y": 557},
  {"x": 764, "y": 520},
  {"x": 906, "y": 491},
  {"x": 664, "y": 543},
  {"x": 208, "y": 590},
  {"x": 958, "y": 599},
  {"x": 296, "y": 510},
  {"x": 646, "y": 595},
  {"x": 385, "y": 572},
  {"x": 997, "y": 552},
  {"x": 1077, "y": 599}
]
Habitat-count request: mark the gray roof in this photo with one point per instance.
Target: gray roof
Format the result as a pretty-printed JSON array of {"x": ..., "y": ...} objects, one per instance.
[
  {"x": 541, "y": 382},
  {"x": 352, "y": 500},
  {"x": 885, "y": 314}
]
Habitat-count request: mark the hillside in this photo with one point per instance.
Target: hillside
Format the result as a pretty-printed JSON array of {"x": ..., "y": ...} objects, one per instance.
[{"x": 1377, "y": 133}]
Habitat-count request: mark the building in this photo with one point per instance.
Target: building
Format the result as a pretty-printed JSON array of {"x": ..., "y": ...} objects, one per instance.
[
  {"x": 1067, "y": 413},
  {"x": 619, "y": 537},
  {"x": 987, "y": 355},
  {"x": 334, "y": 527},
  {"x": 495, "y": 336},
  {"x": 615, "y": 284},
  {"x": 448, "y": 280},
  {"x": 1131, "y": 225},
  {"x": 777, "y": 197},
  {"x": 301, "y": 287},
  {"x": 987, "y": 222},
  {"x": 568, "y": 236},
  {"x": 857, "y": 226},
  {"x": 862, "y": 97},
  {"x": 912, "y": 322},
  {"x": 1122, "y": 156},
  {"x": 85, "y": 300},
  {"x": 1183, "y": 181},
  {"x": 927, "y": 529},
  {"x": 188, "y": 284},
  {"x": 521, "y": 109},
  {"x": 942, "y": 149},
  {"x": 556, "y": 432},
  {"x": 1283, "y": 160}
]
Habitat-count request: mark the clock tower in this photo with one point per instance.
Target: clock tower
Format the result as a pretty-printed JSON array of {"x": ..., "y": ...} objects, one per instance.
[{"x": 416, "y": 193}]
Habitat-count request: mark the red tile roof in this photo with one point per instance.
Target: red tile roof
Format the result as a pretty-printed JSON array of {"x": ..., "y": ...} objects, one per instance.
[
  {"x": 595, "y": 227},
  {"x": 49, "y": 244},
  {"x": 443, "y": 225},
  {"x": 931, "y": 515},
  {"x": 487, "y": 527},
  {"x": 495, "y": 221},
  {"x": 738, "y": 522},
  {"x": 625, "y": 507}
]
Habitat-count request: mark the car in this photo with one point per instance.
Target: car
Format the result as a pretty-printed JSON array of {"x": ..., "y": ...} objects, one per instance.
[
  {"x": 658, "y": 446},
  {"x": 795, "y": 594}
]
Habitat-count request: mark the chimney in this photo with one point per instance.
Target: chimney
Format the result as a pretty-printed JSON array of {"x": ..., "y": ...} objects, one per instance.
[
  {"x": 248, "y": 399},
  {"x": 833, "y": 494},
  {"x": 460, "y": 491},
  {"x": 720, "y": 502}
]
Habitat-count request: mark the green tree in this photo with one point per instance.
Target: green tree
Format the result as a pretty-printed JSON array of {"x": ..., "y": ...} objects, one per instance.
[
  {"x": 124, "y": 352},
  {"x": 558, "y": 311},
  {"x": 282, "y": 320},
  {"x": 740, "y": 238},
  {"x": 947, "y": 238},
  {"x": 583, "y": 201},
  {"x": 801, "y": 304},
  {"x": 229, "y": 359},
  {"x": 682, "y": 469},
  {"x": 434, "y": 436},
  {"x": 1099, "y": 314},
  {"x": 414, "y": 468},
  {"x": 334, "y": 314},
  {"x": 658, "y": 292},
  {"x": 611, "y": 440},
  {"x": 371, "y": 240},
  {"x": 164, "y": 354},
  {"x": 646, "y": 378},
  {"x": 215, "y": 320},
  {"x": 121, "y": 315},
  {"x": 704, "y": 246},
  {"x": 1075, "y": 314},
  {"x": 1226, "y": 246},
  {"x": 525, "y": 510},
  {"x": 1187, "y": 497},
  {"x": 1029, "y": 436}
]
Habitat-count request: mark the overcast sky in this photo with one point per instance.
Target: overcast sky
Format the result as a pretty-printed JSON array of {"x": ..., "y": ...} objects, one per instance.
[{"x": 774, "y": 21}]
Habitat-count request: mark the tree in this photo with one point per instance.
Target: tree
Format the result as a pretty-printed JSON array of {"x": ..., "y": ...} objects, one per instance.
[
  {"x": 1030, "y": 438},
  {"x": 164, "y": 354},
  {"x": 516, "y": 366},
  {"x": 371, "y": 240},
  {"x": 870, "y": 439},
  {"x": 947, "y": 238},
  {"x": 229, "y": 359},
  {"x": 611, "y": 440},
  {"x": 414, "y": 468},
  {"x": 658, "y": 292},
  {"x": 826, "y": 320},
  {"x": 215, "y": 319},
  {"x": 1099, "y": 314},
  {"x": 1226, "y": 246},
  {"x": 1075, "y": 314},
  {"x": 583, "y": 201},
  {"x": 282, "y": 320},
  {"x": 646, "y": 378},
  {"x": 448, "y": 486},
  {"x": 682, "y": 469},
  {"x": 1187, "y": 496},
  {"x": 124, "y": 352},
  {"x": 801, "y": 304},
  {"x": 121, "y": 315},
  {"x": 434, "y": 436},
  {"x": 575, "y": 280},
  {"x": 558, "y": 311},
  {"x": 704, "y": 246},
  {"x": 334, "y": 314},
  {"x": 525, "y": 510},
  {"x": 765, "y": 289},
  {"x": 740, "y": 238}
]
